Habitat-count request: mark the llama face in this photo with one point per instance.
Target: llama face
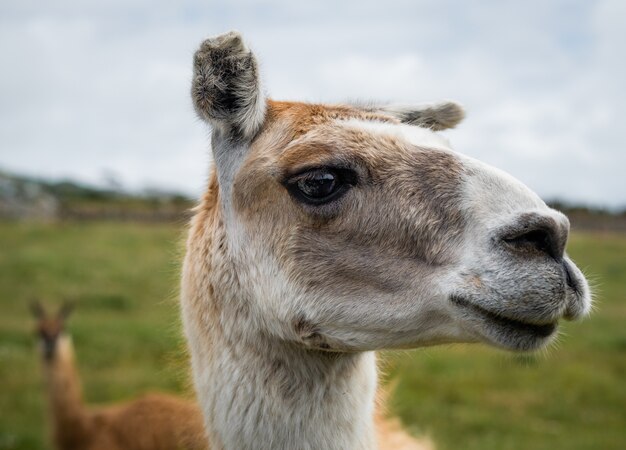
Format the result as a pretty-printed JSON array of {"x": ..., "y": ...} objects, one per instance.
[
  {"x": 49, "y": 328},
  {"x": 378, "y": 235},
  {"x": 355, "y": 229}
]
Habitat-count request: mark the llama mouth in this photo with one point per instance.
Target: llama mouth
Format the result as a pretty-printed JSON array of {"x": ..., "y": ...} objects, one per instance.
[{"x": 511, "y": 333}]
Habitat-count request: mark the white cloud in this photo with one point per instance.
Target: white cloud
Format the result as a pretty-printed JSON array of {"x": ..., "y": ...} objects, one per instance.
[{"x": 103, "y": 86}]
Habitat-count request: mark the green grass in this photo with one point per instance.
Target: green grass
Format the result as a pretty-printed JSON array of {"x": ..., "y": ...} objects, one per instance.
[{"x": 124, "y": 278}]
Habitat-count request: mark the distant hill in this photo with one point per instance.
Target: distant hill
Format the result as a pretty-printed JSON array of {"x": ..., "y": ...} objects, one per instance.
[
  {"x": 583, "y": 217},
  {"x": 23, "y": 197},
  {"x": 30, "y": 198}
]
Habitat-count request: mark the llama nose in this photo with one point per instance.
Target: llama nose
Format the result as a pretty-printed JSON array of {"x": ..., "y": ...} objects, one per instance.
[{"x": 537, "y": 234}]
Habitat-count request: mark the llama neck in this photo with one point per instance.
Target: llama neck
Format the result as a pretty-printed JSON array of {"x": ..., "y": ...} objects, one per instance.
[
  {"x": 64, "y": 394},
  {"x": 269, "y": 394}
]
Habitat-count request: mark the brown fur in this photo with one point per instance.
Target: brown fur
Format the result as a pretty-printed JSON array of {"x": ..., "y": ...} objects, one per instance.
[
  {"x": 153, "y": 422},
  {"x": 304, "y": 116}
]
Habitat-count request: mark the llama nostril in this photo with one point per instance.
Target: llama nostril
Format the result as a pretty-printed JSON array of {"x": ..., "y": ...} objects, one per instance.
[
  {"x": 539, "y": 235},
  {"x": 539, "y": 240}
]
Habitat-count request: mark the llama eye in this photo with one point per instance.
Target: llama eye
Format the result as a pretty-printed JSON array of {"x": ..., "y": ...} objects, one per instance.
[
  {"x": 320, "y": 186},
  {"x": 317, "y": 184}
]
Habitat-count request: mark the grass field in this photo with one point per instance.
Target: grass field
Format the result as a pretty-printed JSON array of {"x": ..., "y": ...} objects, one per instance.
[{"x": 124, "y": 278}]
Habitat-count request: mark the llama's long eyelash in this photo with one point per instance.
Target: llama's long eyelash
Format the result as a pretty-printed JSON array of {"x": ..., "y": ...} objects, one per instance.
[
  {"x": 342, "y": 169},
  {"x": 343, "y": 180}
]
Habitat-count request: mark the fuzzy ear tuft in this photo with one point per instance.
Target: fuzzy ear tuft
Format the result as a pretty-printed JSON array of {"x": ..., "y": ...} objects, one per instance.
[
  {"x": 226, "y": 89},
  {"x": 65, "y": 310},
  {"x": 37, "y": 309},
  {"x": 436, "y": 116}
]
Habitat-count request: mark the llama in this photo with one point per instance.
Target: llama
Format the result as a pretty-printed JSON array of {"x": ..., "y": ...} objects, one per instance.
[
  {"x": 153, "y": 422},
  {"x": 328, "y": 232}
]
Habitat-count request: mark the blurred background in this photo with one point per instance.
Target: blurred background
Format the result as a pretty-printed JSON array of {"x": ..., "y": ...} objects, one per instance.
[{"x": 101, "y": 156}]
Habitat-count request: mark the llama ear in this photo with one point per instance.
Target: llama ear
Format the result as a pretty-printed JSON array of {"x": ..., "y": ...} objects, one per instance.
[
  {"x": 65, "y": 310},
  {"x": 37, "y": 309},
  {"x": 226, "y": 89},
  {"x": 436, "y": 116}
]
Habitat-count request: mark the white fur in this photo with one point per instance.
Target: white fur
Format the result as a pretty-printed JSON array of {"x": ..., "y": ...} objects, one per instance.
[
  {"x": 242, "y": 410},
  {"x": 421, "y": 137}
]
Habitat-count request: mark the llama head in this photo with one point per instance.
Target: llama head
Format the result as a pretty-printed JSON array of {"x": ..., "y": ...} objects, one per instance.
[
  {"x": 50, "y": 328},
  {"x": 359, "y": 228}
]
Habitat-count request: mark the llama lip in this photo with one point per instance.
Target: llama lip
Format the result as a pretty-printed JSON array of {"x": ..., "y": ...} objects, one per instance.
[
  {"x": 570, "y": 278},
  {"x": 505, "y": 325}
]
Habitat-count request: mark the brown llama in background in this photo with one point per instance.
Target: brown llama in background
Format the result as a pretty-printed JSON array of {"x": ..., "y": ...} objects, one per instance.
[{"x": 152, "y": 422}]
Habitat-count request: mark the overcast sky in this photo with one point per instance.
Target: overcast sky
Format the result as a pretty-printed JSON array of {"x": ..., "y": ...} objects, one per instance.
[{"x": 98, "y": 90}]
